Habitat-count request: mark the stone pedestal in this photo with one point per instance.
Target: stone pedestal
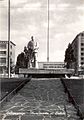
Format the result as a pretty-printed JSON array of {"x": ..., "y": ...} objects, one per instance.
[{"x": 36, "y": 60}]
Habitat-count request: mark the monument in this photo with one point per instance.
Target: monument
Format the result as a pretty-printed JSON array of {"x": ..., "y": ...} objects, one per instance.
[{"x": 31, "y": 54}]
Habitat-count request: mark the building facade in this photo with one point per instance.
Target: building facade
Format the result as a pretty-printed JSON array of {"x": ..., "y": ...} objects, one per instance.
[
  {"x": 78, "y": 52},
  {"x": 50, "y": 65},
  {"x": 4, "y": 55}
]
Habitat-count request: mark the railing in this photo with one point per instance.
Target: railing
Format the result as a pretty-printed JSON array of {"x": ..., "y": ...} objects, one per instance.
[{"x": 1, "y": 55}]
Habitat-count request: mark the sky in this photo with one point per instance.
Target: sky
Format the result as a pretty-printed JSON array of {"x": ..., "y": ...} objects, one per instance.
[{"x": 29, "y": 18}]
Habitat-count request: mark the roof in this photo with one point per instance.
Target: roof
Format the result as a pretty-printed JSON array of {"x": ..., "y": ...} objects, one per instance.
[
  {"x": 2, "y": 41},
  {"x": 77, "y": 37}
]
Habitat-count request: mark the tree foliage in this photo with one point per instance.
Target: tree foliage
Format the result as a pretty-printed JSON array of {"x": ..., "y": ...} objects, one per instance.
[
  {"x": 20, "y": 62},
  {"x": 69, "y": 56}
]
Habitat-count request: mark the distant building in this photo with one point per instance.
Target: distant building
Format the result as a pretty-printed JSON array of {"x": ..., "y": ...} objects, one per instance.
[
  {"x": 78, "y": 52},
  {"x": 4, "y": 55},
  {"x": 50, "y": 65}
]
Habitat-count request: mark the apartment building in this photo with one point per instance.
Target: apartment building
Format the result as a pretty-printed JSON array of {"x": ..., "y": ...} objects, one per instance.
[
  {"x": 78, "y": 52},
  {"x": 4, "y": 55}
]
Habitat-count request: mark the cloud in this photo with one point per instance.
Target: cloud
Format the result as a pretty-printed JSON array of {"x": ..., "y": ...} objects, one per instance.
[
  {"x": 29, "y": 17},
  {"x": 58, "y": 7},
  {"x": 57, "y": 55},
  {"x": 72, "y": 2},
  {"x": 29, "y": 7},
  {"x": 52, "y": 7},
  {"x": 78, "y": 26},
  {"x": 33, "y": 29},
  {"x": 32, "y": 6},
  {"x": 59, "y": 41},
  {"x": 80, "y": 8},
  {"x": 3, "y": 3},
  {"x": 17, "y": 2},
  {"x": 51, "y": 24},
  {"x": 63, "y": 5}
]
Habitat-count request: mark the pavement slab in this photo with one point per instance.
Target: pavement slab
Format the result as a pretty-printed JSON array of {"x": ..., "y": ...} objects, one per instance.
[{"x": 40, "y": 100}]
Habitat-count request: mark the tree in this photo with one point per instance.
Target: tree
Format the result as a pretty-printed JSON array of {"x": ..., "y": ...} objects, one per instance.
[
  {"x": 69, "y": 56},
  {"x": 20, "y": 62}
]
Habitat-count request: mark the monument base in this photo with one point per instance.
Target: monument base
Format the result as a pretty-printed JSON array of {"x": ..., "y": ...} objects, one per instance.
[{"x": 34, "y": 72}]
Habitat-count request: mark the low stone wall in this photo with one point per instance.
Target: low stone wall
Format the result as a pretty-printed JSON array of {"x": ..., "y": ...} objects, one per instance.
[{"x": 46, "y": 73}]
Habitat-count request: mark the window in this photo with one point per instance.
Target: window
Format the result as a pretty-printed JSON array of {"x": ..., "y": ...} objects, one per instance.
[
  {"x": 11, "y": 46},
  {"x": 2, "y": 52},
  {"x": 82, "y": 58},
  {"x": 82, "y": 44},
  {"x": 10, "y": 53},
  {"x": 82, "y": 34},
  {"x": 82, "y": 49},
  {"x": 2, "y": 60},
  {"x": 11, "y": 60},
  {"x": 82, "y": 63},
  {"x": 3, "y": 46},
  {"x": 2, "y": 69},
  {"x": 82, "y": 53}
]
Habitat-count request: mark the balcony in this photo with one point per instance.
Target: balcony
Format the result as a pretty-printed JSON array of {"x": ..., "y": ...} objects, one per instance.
[
  {"x": 2, "y": 64},
  {"x": 3, "y": 54},
  {"x": 2, "y": 61}
]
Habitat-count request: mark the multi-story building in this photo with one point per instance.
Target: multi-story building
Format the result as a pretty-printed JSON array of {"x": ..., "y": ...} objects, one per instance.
[
  {"x": 4, "y": 55},
  {"x": 78, "y": 52}
]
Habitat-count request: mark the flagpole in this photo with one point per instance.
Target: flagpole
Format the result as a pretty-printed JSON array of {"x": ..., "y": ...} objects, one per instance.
[
  {"x": 48, "y": 32},
  {"x": 8, "y": 38}
]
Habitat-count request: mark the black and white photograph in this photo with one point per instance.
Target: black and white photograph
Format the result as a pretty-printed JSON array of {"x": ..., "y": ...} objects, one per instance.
[{"x": 41, "y": 59}]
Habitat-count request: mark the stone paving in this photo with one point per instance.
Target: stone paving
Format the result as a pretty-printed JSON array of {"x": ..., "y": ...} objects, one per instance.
[{"x": 40, "y": 99}]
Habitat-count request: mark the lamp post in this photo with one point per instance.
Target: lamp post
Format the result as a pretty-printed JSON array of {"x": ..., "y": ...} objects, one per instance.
[
  {"x": 8, "y": 38},
  {"x": 48, "y": 32}
]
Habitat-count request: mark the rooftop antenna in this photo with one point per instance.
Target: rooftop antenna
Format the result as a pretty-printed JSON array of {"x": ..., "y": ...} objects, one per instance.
[
  {"x": 48, "y": 15},
  {"x": 8, "y": 38}
]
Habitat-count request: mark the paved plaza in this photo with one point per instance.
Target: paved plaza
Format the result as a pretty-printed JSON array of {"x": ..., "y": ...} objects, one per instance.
[{"x": 40, "y": 99}]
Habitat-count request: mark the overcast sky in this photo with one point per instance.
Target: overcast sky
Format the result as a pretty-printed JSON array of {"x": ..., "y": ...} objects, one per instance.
[{"x": 29, "y": 17}]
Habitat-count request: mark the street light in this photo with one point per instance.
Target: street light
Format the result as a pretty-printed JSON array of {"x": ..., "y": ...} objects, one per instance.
[
  {"x": 48, "y": 31},
  {"x": 8, "y": 38}
]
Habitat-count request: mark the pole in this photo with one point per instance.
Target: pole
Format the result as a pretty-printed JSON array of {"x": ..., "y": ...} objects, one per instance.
[
  {"x": 8, "y": 38},
  {"x": 48, "y": 33}
]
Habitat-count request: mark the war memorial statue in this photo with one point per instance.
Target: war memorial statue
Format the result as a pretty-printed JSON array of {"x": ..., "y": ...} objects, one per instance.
[
  {"x": 31, "y": 54},
  {"x": 28, "y": 58}
]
